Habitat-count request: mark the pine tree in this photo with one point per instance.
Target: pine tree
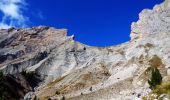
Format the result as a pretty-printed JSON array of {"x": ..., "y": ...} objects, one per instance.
[{"x": 156, "y": 78}]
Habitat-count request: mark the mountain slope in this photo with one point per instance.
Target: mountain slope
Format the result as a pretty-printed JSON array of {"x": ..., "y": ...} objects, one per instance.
[{"x": 71, "y": 70}]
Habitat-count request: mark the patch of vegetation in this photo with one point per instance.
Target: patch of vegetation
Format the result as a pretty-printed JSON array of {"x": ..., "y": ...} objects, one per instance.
[
  {"x": 155, "y": 61},
  {"x": 156, "y": 78},
  {"x": 150, "y": 97},
  {"x": 164, "y": 88}
]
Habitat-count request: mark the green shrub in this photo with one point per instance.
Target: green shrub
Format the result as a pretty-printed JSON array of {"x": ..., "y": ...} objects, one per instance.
[
  {"x": 164, "y": 88},
  {"x": 156, "y": 78}
]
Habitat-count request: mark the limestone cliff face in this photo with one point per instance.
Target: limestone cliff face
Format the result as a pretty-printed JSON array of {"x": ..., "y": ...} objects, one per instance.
[
  {"x": 152, "y": 21},
  {"x": 76, "y": 71}
]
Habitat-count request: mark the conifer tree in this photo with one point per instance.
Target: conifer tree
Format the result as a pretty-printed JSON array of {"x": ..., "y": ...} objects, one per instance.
[{"x": 156, "y": 78}]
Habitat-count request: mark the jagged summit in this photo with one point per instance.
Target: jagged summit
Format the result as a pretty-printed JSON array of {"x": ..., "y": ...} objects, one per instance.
[
  {"x": 152, "y": 21},
  {"x": 71, "y": 70}
]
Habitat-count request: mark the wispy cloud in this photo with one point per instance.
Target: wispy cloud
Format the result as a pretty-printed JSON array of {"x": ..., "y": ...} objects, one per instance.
[
  {"x": 40, "y": 15},
  {"x": 12, "y": 11}
]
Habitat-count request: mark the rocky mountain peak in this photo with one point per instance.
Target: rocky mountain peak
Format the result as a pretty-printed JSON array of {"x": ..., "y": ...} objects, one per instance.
[
  {"x": 152, "y": 21},
  {"x": 62, "y": 68}
]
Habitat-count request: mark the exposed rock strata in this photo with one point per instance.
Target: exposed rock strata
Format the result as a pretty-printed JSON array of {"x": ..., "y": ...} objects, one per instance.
[{"x": 76, "y": 71}]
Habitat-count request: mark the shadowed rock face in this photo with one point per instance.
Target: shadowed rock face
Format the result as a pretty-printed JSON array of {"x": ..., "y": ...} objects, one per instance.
[
  {"x": 14, "y": 87},
  {"x": 80, "y": 72}
]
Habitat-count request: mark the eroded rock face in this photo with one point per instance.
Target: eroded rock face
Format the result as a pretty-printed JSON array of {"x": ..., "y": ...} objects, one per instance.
[
  {"x": 23, "y": 48},
  {"x": 152, "y": 21},
  {"x": 76, "y": 71}
]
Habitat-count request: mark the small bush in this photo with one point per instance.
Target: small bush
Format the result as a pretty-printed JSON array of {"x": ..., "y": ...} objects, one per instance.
[
  {"x": 164, "y": 88},
  {"x": 156, "y": 78}
]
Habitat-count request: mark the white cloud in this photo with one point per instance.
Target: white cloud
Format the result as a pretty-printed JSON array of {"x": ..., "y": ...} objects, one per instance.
[
  {"x": 12, "y": 13},
  {"x": 4, "y": 26}
]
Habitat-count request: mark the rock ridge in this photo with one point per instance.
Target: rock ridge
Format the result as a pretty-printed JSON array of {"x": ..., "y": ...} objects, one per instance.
[{"x": 75, "y": 71}]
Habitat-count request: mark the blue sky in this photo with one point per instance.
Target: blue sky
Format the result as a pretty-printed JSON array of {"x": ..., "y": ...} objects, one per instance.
[{"x": 93, "y": 22}]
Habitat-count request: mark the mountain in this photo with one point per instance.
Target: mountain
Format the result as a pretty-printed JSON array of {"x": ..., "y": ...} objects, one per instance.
[{"x": 53, "y": 66}]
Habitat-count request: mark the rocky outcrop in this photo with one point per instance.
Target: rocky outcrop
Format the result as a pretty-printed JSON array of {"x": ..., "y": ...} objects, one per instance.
[
  {"x": 75, "y": 71},
  {"x": 152, "y": 21}
]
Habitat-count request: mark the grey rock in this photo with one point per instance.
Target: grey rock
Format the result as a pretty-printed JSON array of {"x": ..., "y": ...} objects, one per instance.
[{"x": 70, "y": 67}]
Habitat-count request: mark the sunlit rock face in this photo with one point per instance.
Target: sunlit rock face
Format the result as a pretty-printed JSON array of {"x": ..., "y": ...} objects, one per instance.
[
  {"x": 76, "y": 71},
  {"x": 152, "y": 21},
  {"x": 22, "y": 48}
]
